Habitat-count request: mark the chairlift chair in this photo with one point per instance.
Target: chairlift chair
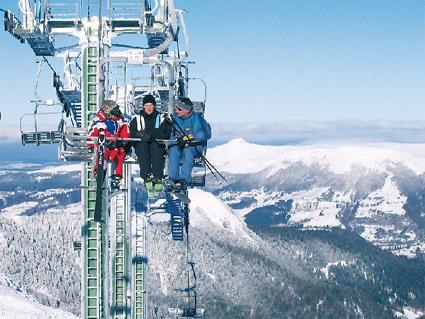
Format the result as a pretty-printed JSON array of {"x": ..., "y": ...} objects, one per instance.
[
  {"x": 73, "y": 146},
  {"x": 37, "y": 136}
]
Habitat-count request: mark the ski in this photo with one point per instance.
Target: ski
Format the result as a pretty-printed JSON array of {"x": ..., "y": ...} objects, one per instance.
[
  {"x": 178, "y": 191},
  {"x": 99, "y": 177}
]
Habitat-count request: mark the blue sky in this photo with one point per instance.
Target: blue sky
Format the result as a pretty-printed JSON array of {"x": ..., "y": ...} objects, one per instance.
[{"x": 315, "y": 60}]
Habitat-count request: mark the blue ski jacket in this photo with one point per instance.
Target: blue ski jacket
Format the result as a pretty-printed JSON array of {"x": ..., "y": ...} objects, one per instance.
[{"x": 194, "y": 124}]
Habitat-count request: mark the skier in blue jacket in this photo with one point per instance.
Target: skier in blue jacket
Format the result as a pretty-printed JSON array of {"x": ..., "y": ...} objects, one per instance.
[{"x": 191, "y": 132}]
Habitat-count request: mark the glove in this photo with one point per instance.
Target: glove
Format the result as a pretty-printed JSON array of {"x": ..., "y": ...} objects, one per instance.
[
  {"x": 146, "y": 137},
  {"x": 188, "y": 137},
  {"x": 181, "y": 142},
  {"x": 119, "y": 143},
  {"x": 114, "y": 144}
]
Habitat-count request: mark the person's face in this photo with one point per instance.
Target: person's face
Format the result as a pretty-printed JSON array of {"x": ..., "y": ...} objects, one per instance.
[
  {"x": 181, "y": 112},
  {"x": 149, "y": 108},
  {"x": 115, "y": 118}
]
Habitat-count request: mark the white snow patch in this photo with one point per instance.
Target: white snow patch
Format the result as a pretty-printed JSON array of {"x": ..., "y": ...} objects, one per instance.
[
  {"x": 310, "y": 210},
  {"x": 386, "y": 200},
  {"x": 12, "y": 166},
  {"x": 409, "y": 313},
  {"x": 61, "y": 169},
  {"x": 369, "y": 232},
  {"x": 342, "y": 263}
]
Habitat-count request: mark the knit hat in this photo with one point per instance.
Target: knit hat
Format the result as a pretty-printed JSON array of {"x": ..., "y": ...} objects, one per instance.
[
  {"x": 117, "y": 112},
  {"x": 149, "y": 99},
  {"x": 185, "y": 103},
  {"x": 108, "y": 106}
]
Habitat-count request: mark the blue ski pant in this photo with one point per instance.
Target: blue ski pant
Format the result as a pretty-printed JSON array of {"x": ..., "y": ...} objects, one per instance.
[{"x": 181, "y": 161}]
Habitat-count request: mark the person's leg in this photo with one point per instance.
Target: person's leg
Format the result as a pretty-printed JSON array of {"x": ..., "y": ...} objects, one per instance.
[
  {"x": 187, "y": 165},
  {"x": 157, "y": 154},
  {"x": 107, "y": 156},
  {"x": 119, "y": 157},
  {"x": 144, "y": 159},
  {"x": 174, "y": 157},
  {"x": 117, "y": 162}
]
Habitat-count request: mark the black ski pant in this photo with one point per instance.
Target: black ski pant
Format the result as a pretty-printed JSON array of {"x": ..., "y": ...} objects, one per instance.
[{"x": 150, "y": 156}]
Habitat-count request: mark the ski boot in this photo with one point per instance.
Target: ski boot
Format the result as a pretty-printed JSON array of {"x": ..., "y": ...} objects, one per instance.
[
  {"x": 149, "y": 187},
  {"x": 115, "y": 182},
  {"x": 157, "y": 187}
]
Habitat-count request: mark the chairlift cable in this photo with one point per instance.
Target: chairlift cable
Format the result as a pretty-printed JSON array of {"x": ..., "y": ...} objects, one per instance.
[{"x": 48, "y": 63}]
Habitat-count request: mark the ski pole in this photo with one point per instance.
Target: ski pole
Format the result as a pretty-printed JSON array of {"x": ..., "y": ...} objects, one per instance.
[{"x": 207, "y": 162}]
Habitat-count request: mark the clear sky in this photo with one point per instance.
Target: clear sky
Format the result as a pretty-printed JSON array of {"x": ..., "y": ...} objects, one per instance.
[{"x": 280, "y": 60}]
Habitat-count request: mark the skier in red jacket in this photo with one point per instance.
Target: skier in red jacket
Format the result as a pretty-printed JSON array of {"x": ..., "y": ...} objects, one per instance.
[{"x": 110, "y": 120}]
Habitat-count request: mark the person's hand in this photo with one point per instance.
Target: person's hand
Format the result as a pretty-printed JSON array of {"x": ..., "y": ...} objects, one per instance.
[
  {"x": 114, "y": 144},
  {"x": 146, "y": 137},
  {"x": 181, "y": 142},
  {"x": 188, "y": 137}
]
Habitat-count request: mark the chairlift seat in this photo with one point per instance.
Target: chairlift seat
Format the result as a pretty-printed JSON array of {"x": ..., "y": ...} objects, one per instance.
[
  {"x": 155, "y": 39},
  {"x": 187, "y": 312},
  {"x": 71, "y": 101},
  {"x": 198, "y": 175},
  {"x": 40, "y": 43},
  {"x": 41, "y": 137},
  {"x": 199, "y": 107},
  {"x": 74, "y": 145},
  {"x": 173, "y": 207},
  {"x": 126, "y": 25},
  {"x": 62, "y": 24}
]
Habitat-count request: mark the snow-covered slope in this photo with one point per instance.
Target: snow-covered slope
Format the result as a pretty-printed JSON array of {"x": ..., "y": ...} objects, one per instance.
[
  {"x": 16, "y": 304},
  {"x": 208, "y": 211},
  {"x": 239, "y": 156},
  {"x": 61, "y": 169}
]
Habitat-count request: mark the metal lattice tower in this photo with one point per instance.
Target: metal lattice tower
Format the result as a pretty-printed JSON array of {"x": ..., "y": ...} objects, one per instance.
[{"x": 113, "y": 253}]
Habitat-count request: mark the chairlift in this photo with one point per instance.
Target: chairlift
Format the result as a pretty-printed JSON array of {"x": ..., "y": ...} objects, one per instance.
[
  {"x": 192, "y": 310},
  {"x": 73, "y": 146},
  {"x": 199, "y": 171},
  {"x": 37, "y": 136}
]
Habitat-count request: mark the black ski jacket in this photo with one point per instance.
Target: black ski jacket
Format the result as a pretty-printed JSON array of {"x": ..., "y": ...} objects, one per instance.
[{"x": 150, "y": 127}]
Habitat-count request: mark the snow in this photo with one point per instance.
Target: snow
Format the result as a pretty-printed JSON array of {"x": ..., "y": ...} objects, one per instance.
[
  {"x": 207, "y": 211},
  {"x": 16, "y": 304},
  {"x": 409, "y": 313},
  {"x": 308, "y": 207},
  {"x": 3, "y": 240},
  {"x": 369, "y": 232},
  {"x": 386, "y": 200},
  {"x": 20, "y": 166},
  {"x": 240, "y": 157},
  {"x": 14, "y": 212},
  {"x": 61, "y": 169},
  {"x": 311, "y": 211},
  {"x": 342, "y": 263}
]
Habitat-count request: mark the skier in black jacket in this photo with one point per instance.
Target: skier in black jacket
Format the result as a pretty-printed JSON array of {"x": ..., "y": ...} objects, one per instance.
[{"x": 149, "y": 126}]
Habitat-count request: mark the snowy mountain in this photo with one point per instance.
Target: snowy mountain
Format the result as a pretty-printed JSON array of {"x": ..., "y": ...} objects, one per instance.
[
  {"x": 16, "y": 304},
  {"x": 377, "y": 191},
  {"x": 279, "y": 239},
  {"x": 300, "y": 273}
]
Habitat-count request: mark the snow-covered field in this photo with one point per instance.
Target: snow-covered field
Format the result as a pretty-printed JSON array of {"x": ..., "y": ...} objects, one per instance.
[
  {"x": 14, "y": 212},
  {"x": 16, "y": 304}
]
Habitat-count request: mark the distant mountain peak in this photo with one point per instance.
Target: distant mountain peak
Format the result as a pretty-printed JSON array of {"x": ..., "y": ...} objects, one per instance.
[{"x": 241, "y": 157}]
